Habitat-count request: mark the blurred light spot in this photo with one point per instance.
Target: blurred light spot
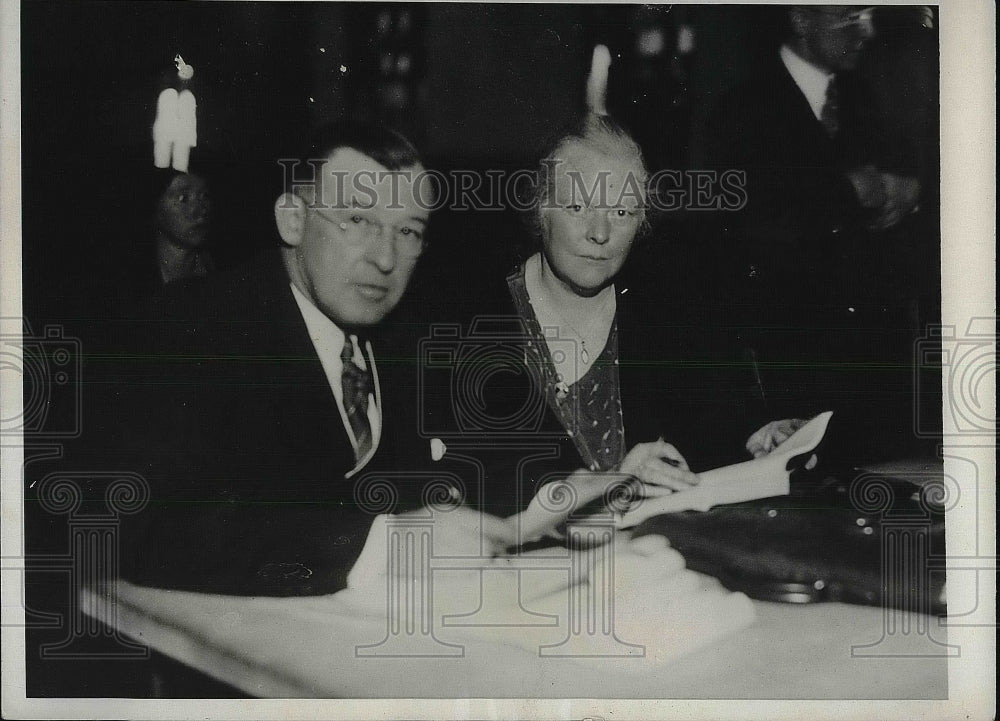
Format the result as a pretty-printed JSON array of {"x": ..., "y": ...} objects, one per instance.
[
  {"x": 650, "y": 42},
  {"x": 685, "y": 40}
]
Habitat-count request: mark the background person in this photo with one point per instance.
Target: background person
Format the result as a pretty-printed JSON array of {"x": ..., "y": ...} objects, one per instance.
[
  {"x": 182, "y": 215},
  {"x": 811, "y": 268}
]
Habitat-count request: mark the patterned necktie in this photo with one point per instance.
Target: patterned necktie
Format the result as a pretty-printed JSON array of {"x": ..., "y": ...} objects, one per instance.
[
  {"x": 357, "y": 385},
  {"x": 830, "y": 114}
]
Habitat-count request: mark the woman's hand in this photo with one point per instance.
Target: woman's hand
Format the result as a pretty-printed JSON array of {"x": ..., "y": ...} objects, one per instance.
[
  {"x": 773, "y": 434},
  {"x": 659, "y": 467}
]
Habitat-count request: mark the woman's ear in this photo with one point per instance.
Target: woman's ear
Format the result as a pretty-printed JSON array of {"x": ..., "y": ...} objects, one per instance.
[{"x": 289, "y": 216}]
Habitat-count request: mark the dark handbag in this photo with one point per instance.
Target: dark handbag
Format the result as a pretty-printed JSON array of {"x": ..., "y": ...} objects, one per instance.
[{"x": 875, "y": 538}]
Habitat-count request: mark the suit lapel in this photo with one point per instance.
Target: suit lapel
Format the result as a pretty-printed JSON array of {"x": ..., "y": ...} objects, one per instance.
[{"x": 307, "y": 418}]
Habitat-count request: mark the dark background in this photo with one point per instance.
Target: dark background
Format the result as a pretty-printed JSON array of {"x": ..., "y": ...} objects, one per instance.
[{"x": 484, "y": 86}]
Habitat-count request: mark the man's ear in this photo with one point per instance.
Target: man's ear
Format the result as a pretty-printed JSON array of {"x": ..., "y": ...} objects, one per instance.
[{"x": 289, "y": 216}]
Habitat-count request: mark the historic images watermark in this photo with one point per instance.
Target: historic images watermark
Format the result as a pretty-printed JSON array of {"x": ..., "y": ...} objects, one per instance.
[
  {"x": 913, "y": 558},
  {"x": 418, "y": 601},
  {"x": 967, "y": 364},
  {"x": 48, "y": 368},
  {"x": 666, "y": 190},
  {"x": 471, "y": 408}
]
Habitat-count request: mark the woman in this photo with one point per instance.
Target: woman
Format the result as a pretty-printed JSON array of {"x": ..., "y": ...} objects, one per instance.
[
  {"x": 610, "y": 378},
  {"x": 181, "y": 217}
]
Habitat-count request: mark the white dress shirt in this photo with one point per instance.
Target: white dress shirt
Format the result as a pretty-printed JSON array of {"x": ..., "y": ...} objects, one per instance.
[
  {"x": 328, "y": 340},
  {"x": 812, "y": 81}
]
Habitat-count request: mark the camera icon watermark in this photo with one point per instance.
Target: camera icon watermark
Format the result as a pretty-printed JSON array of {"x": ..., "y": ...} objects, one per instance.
[
  {"x": 48, "y": 369},
  {"x": 968, "y": 363},
  {"x": 482, "y": 381},
  {"x": 93, "y": 504}
]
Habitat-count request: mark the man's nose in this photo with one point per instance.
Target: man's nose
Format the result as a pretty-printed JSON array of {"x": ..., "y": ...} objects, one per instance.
[
  {"x": 599, "y": 227},
  {"x": 382, "y": 249}
]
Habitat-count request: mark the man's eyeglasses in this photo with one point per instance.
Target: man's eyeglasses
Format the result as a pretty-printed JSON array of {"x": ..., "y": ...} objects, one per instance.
[
  {"x": 361, "y": 229},
  {"x": 841, "y": 18}
]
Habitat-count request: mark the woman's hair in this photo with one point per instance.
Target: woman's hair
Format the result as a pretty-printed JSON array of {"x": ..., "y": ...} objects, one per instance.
[
  {"x": 603, "y": 136},
  {"x": 159, "y": 180}
]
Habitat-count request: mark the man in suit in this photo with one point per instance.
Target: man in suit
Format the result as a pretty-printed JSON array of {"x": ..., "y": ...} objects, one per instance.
[
  {"x": 259, "y": 412},
  {"x": 803, "y": 263}
]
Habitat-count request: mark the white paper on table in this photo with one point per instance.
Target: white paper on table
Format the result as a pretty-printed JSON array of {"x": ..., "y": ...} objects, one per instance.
[
  {"x": 661, "y": 611},
  {"x": 762, "y": 477}
]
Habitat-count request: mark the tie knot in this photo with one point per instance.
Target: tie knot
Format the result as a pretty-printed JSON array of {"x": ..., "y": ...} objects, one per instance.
[
  {"x": 357, "y": 381},
  {"x": 347, "y": 354}
]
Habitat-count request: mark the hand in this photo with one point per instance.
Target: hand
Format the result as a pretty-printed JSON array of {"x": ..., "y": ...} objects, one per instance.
[
  {"x": 902, "y": 192},
  {"x": 772, "y": 435},
  {"x": 659, "y": 467},
  {"x": 868, "y": 186}
]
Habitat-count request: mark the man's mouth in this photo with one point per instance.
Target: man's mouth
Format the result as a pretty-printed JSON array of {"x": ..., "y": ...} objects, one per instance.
[{"x": 371, "y": 291}]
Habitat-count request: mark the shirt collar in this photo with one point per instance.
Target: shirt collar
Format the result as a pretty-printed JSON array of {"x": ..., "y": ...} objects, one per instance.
[
  {"x": 320, "y": 327},
  {"x": 811, "y": 80}
]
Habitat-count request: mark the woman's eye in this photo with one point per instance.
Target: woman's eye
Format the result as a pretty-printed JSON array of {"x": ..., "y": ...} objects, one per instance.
[
  {"x": 575, "y": 209},
  {"x": 357, "y": 219}
]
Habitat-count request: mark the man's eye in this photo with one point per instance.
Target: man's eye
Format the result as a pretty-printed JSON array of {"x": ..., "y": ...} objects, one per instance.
[
  {"x": 575, "y": 209},
  {"x": 357, "y": 219}
]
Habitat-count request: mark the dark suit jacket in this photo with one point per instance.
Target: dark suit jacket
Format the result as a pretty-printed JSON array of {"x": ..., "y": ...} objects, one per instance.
[
  {"x": 810, "y": 285},
  {"x": 677, "y": 381},
  {"x": 802, "y": 219},
  {"x": 226, "y": 411}
]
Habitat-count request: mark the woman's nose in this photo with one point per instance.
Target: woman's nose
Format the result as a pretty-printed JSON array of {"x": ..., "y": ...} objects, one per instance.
[{"x": 599, "y": 228}]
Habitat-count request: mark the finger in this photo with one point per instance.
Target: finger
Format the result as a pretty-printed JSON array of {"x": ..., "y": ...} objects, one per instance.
[
  {"x": 669, "y": 451},
  {"x": 658, "y": 473},
  {"x": 788, "y": 426},
  {"x": 652, "y": 490},
  {"x": 811, "y": 463},
  {"x": 755, "y": 444},
  {"x": 648, "y": 545},
  {"x": 780, "y": 436}
]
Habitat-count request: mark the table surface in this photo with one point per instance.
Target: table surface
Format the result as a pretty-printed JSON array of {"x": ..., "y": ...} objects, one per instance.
[{"x": 306, "y": 648}]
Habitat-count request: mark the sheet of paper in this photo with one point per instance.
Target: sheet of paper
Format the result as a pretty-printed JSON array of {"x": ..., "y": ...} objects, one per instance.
[{"x": 762, "y": 477}]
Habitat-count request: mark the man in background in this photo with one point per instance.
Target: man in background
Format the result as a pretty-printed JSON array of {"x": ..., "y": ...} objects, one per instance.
[{"x": 803, "y": 265}]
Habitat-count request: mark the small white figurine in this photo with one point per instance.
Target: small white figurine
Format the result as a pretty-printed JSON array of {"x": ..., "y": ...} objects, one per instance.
[{"x": 175, "y": 129}]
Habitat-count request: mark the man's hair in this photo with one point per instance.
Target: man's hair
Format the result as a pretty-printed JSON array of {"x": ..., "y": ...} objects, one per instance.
[
  {"x": 598, "y": 133},
  {"x": 383, "y": 145}
]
